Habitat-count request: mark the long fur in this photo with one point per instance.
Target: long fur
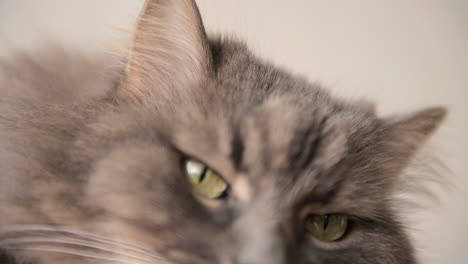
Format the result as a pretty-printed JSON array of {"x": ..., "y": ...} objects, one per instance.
[{"x": 91, "y": 156}]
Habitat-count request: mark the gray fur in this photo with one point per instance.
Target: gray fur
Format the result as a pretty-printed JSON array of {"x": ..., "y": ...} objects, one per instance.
[{"x": 85, "y": 151}]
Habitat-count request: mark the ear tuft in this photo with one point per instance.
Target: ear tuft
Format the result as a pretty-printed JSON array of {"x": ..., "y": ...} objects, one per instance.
[
  {"x": 408, "y": 133},
  {"x": 424, "y": 122}
]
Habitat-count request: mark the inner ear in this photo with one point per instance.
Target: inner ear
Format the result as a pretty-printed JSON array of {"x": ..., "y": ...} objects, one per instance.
[{"x": 170, "y": 51}]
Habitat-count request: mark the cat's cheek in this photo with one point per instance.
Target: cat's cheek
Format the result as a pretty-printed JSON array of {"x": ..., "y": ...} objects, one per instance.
[{"x": 124, "y": 185}]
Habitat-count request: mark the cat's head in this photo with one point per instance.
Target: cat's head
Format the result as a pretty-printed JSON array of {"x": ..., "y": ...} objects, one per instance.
[{"x": 211, "y": 155}]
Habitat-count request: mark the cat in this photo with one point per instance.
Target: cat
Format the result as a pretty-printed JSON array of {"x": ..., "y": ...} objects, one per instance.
[{"x": 195, "y": 151}]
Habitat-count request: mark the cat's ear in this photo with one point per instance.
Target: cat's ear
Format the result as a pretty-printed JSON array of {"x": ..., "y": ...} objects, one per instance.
[
  {"x": 170, "y": 50},
  {"x": 406, "y": 134}
]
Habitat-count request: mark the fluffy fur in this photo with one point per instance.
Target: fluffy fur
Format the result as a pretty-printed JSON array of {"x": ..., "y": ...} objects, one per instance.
[{"x": 92, "y": 166}]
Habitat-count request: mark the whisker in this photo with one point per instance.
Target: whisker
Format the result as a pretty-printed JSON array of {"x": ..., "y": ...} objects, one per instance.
[
  {"x": 95, "y": 237},
  {"x": 71, "y": 241},
  {"x": 70, "y": 252}
]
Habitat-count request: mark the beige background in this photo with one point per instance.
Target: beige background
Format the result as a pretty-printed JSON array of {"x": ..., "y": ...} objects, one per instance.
[{"x": 403, "y": 54}]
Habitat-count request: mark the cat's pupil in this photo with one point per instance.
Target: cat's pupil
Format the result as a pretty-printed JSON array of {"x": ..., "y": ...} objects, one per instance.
[
  {"x": 326, "y": 221},
  {"x": 203, "y": 175}
]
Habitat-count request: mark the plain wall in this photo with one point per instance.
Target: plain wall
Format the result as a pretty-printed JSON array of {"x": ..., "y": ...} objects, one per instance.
[{"x": 402, "y": 54}]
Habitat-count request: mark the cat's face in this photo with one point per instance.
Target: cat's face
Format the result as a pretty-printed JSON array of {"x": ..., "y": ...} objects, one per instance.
[
  {"x": 281, "y": 152},
  {"x": 210, "y": 155},
  {"x": 283, "y": 160}
]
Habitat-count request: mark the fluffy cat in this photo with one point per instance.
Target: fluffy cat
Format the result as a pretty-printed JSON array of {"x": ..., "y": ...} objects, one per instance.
[{"x": 196, "y": 151}]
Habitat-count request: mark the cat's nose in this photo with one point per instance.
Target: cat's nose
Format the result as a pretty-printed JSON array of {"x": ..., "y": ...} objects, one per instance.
[
  {"x": 262, "y": 247},
  {"x": 259, "y": 242},
  {"x": 260, "y": 234}
]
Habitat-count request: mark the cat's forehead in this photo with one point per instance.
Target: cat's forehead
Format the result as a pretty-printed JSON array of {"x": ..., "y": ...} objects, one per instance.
[
  {"x": 284, "y": 139},
  {"x": 253, "y": 119}
]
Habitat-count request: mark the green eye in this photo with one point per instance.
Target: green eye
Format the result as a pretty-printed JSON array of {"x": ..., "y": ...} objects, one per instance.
[
  {"x": 205, "y": 181},
  {"x": 327, "y": 227}
]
